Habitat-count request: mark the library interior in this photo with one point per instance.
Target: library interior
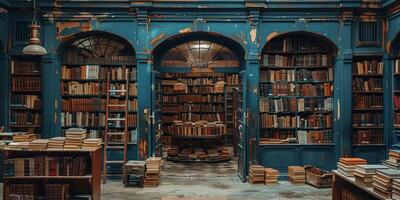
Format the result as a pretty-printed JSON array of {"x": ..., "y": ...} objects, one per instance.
[{"x": 200, "y": 99}]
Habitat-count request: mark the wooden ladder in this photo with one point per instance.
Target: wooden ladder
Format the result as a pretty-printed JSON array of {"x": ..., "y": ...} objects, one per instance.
[{"x": 111, "y": 133}]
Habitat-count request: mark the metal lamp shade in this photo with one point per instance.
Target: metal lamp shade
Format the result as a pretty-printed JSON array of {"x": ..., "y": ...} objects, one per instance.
[{"x": 34, "y": 47}]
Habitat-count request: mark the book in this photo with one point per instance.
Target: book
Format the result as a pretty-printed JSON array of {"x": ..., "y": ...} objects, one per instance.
[
  {"x": 271, "y": 175},
  {"x": 296, "y": 174},
  {"x": 256, "y": 174}
]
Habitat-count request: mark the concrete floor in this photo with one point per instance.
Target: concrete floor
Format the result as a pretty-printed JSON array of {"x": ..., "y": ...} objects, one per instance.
[{"x": 209, "y": 182}]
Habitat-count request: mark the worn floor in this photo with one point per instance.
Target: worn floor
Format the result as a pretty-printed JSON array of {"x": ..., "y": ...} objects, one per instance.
[{"x": 210, "y": 182}]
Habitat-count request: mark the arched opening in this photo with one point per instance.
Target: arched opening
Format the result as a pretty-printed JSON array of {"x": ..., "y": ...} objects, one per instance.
[
  {"x": 296, "y": 91},
  {"x": 198, "y": 94},
  {"x": 99, "y": 93}
]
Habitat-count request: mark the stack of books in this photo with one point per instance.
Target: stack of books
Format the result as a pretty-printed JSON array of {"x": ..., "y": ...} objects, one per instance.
[
  {"x": 152, "y": 174},
  {"x": 74, "y": 138},
  {"x": 57, "y": 191},
  {"x": 346, "y": 166},
  {"x": 38, "y": 144},
  {"x": 224, "y": 151},
  {"x": 394, "y": 159},
  {"x": 92, "y": 144},
  {"x": 24, "y": 137},
  {"x": 363, "y": 174},
  {"x": 256, "y": 174},
  {"x": 173, "y": 151},
  {"x": 214, "y": 156},
  {"x": 56, "y": 143},
  {"x": 396, "y": 189},
  {"x": 382, "y": 181},
  {"x": 297, "y": 174},
  {"x": 271, "y": 175},
  {"x": 18, "y": 145}
]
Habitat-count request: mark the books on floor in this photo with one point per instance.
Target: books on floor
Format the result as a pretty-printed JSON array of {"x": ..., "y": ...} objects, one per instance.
[
  {"x": 296, "y": 174},
  {"x": 382, "y": 181},
  {"x": 256, "y": 174},
  {"x": 271, "y": 175},
  {"x": 92, "y": 143},
  {"x": 396, "y": 189},
  {"x": 56, "y": 143},
  {"x": 74, "y": 138},
  {"x": 346, "y": 166},
  {"x": 153, "y": 172},
  {"x": 38, "y": 144},
  {"x": 363, "y": 174}
]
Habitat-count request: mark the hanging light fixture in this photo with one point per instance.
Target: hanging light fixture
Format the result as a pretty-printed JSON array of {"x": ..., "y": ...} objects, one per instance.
[{"x": 34, "y": 45}]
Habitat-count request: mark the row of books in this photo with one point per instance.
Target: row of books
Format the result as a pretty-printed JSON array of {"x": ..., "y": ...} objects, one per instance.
[
  {"x": 368, "y": 119},
  {"x": 95, "y": 105},
  {"x": 299, "y": 136},
  {"x": 186, "y": 107},
  {"x": 298, "y": 43},
  {"x": 46, "y": 166},
  {"x": 302, "y": 60},
  {"x": 367, "y": 101},
  {"x": 84, "y": 119},
  {"x": 25, "y": 118},
  {"x": 197, "y": 129},
  {"x": 96, "y": 72},
  {"x": 232, "y": 79},
  {"x": 368, "y": 137},
  {"x": 201, "y": 98},
  {"x": 192, "y": 75},
  {"x": 94, "y": 88},
  {"x": 25, "y": 83},
  {"x": 367, "y": 84},
  {"x": 194, "y": 117},
  {"x": 397, "y": 120},
  {"x": 25, "y": 67},
  {"x": 285, "y": 89},
  {"x": 397, "y": 66},
  {"x": 25, "y": 101},
  {"x": 295, "y": 104},
  {"x": 300, "y": 75},
  {"x": 311, "y": 121},
  {"x": 194, "y": 89},
  {"x": 396, "y": 102},
  {"x": 368, "y": 67},
  {"x": 315, "y": 137}
]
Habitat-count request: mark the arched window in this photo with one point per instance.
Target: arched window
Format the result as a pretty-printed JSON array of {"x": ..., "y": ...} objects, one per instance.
[
  {"x": 99, "y": 49},
  {"x": 200, "y": 54}
]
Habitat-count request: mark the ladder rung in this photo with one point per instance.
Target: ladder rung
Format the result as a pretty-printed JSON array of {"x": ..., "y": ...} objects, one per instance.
[
  {"x": 117, "y": 91},
  {"x": 116, "y": 119},
  {"x": 115, "y": 133},
  {"x": 116, "y": 105},
  {"x": 115, "y": 162}
]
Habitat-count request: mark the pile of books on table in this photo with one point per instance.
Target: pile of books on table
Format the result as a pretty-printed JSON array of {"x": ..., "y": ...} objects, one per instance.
[
  {"x": 74, "y": 138},
  {"x": 256, "y": 174},
  {"x": 394, "y": 159},
  {"x": 38, "y": 144},
  {"x": 18, "y": 145},
  {"x": 24, "y": 137},
  {"x": 92, "y": 144},
  {"x": 382, "y": 182},
  {"x": 396, "y": 189},
  {"x": 56, "y": 143},
  {"x": 296, "y": 174},
  {"x": 271, "y": 176},
  {"x": 153, "y": 172},
  {"x": 346, "y": 166},
  {"x": 363, "y": 174}
]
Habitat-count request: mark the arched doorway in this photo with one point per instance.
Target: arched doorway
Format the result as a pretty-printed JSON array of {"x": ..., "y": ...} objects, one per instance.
[
  {"x": 296, "y": 101},
  {"x": 99, "y": 93},
  {"x": 199, "y": 93}
]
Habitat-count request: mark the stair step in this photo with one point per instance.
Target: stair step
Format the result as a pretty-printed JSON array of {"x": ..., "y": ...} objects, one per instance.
[
  {"x": 115, "y": 162},
  {"x": 116, "y": 119},
  {"x": 115, "y": 133}
]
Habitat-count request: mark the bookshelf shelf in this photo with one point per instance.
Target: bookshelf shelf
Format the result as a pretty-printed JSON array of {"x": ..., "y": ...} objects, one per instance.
[
  {"x": 50, "y": 177},
  {"x": 296, "y": 89},
  {"x": 197, "y": 136},
  {"x": 295, "y": 144},
  {"x": 367, "y": 108}
]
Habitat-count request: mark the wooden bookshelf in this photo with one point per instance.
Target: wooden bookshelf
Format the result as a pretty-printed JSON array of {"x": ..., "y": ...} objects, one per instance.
[
  {"x": 296, "y": 91},
  {"x": 396, "y": 94},
  {"x": 25, "y": 95},
  {"x": 84, "y": 182},
  {"x": 367, "y": 113}
]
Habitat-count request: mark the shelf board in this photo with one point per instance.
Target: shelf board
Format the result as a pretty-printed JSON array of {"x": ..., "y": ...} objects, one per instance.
[
  {"x": 24, "y": 126},
  {"x": 297, "y": 144},
  {"x": 114, "y": 64},
  {"x": 200, "y": 93},
  {"x": 369, "y": 145},
  {"x": 48, "y": 177},
  {"x": 290, "y": 96},
  {"x": 32, "y": 74},
  {"x": 297, "y": 52},
  {"x": 368, "y": 109},
  {"x": 25, "y": 109},
  {"x": 368, "y": 92},
  {"x": 274, "y": 67},
  {"x": 368, "y": 75},
  {"x": 26, "y": 91},
  {"x": 197, "y": 136},
  {"x": 368, "y": 127},
  {"x": 298, "y": 82}
]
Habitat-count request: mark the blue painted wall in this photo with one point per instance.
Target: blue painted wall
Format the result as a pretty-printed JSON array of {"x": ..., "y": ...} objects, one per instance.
[{"x": 145, "y": 24}]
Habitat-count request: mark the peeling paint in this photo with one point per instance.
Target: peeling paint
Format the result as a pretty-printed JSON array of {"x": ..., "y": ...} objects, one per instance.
[
  {"x": 253, "y": 35},
  {"x": 272, "y": 35},
  {"x": 158, "y": 38},
  {"x": 65, "y": 29},
  {"x": 186, "y": 30}
]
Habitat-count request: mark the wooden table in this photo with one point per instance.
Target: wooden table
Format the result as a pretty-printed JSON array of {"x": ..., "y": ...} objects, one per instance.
[{"x": 342, "y": 183}]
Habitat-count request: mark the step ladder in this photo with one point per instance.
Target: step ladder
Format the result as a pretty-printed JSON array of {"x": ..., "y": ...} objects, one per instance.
[{"x": 112, "y": 133}]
